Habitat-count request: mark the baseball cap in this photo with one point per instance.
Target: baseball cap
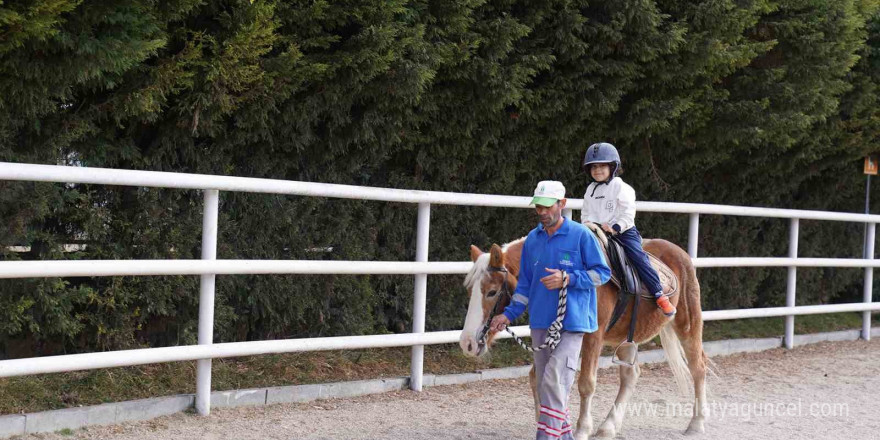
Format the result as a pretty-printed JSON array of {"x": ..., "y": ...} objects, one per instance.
[{"x": 548, "y": 192}]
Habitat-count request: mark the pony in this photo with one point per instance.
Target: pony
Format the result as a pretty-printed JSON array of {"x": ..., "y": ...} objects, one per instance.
[{"x": 495, "y": 273}]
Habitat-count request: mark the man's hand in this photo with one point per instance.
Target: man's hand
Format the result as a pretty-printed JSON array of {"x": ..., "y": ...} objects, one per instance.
[
  {"x": 499, "y": 322},
  {"x": 607, "y": 228},
  {"x": 554, "y": 280}
]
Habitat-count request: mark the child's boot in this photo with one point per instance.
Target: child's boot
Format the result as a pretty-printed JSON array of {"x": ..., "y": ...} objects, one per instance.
[{"x": 666, "y": 306}]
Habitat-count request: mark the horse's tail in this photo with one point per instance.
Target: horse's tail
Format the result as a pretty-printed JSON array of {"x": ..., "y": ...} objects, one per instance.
[
  {"x": 711, "y": 366},
  {"x": 691, "y": 289},
  {"x": 675, "y": 357}
]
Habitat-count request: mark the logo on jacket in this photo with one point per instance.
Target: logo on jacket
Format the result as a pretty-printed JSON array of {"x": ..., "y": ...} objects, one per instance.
[{"x": 566, "y": 260}]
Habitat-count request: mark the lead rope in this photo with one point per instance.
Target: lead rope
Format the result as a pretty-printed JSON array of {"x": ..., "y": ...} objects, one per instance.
[{"x": 554, "y": 332}]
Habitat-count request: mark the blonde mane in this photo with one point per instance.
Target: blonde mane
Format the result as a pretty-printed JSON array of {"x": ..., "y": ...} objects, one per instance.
[
  {"x": 477, "y": 271},
  {"x": 600, "y": 234}
]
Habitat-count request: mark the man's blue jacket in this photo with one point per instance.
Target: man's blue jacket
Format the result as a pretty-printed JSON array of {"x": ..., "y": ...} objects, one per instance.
[{"x": 574, "y": 249}]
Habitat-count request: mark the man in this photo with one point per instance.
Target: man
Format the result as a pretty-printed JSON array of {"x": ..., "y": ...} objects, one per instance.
[{"x": 558, "y": 253}]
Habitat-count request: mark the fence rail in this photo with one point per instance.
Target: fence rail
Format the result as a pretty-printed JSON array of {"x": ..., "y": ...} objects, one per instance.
[
  {"x": 104, "y": 268},
  {"x": 112, "y": 268},
  {"x": 208, "y": 267}
]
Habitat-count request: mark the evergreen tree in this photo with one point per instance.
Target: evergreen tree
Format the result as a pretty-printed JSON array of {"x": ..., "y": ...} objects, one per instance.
[{"x": 752, "y": 102}]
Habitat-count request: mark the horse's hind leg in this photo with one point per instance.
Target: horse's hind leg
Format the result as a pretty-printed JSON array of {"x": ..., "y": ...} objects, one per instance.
[
  {"x": 613, "y": 423},
  {"x": 693, "y": 351},
  {"x": 590, "y": 351}
]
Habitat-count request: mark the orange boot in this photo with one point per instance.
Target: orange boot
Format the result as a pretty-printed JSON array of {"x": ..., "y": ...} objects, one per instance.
[{"x": 666, "y": 306}]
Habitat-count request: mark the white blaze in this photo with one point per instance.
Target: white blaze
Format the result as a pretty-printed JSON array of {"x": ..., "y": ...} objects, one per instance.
[{"x": 474, "y": 321}]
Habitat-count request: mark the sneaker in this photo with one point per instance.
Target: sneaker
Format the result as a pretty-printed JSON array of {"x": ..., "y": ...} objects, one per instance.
[{"x": 667, "y": 307}]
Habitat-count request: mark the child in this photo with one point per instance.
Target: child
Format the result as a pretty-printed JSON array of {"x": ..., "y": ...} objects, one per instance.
[{"x": 611, "y": 203}]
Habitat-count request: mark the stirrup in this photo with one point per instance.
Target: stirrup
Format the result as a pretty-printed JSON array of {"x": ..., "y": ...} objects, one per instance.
[{"x": 626, "y": 354}]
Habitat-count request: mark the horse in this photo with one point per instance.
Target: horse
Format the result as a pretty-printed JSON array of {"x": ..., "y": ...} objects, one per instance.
[{"x": 681, "y": 335}]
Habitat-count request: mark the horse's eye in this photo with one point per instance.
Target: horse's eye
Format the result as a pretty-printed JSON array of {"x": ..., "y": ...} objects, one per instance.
[{"x": 491, "y": 293}]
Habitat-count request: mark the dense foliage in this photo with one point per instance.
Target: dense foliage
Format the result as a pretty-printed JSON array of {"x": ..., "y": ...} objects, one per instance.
[{"x": 745, "y": 102}]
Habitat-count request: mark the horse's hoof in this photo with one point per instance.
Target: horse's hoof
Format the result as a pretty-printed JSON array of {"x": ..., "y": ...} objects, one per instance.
[
  {"x": 606, "y": 432},
  {"x": 582, "y": 434},
  {"x": 695, "y": 427}
]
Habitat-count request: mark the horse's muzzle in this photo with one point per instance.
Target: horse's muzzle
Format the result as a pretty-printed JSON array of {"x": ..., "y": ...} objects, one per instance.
[{"x": 471, "y": 346}]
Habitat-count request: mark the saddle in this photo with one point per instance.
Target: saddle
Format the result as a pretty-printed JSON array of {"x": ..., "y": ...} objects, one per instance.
[
  {"x": 667, "y": 278},
  {"x": 625, "y": 277}
]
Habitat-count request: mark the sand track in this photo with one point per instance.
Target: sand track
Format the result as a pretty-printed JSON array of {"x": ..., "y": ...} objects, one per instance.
[{"x": 826, "y": 390}]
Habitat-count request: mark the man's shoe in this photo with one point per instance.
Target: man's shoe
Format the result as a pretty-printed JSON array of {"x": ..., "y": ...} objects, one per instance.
[{"x": 667, "y": 307}]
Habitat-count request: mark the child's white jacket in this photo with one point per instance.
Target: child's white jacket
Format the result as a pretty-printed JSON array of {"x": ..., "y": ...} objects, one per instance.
[{"x": 613, "y": 203}]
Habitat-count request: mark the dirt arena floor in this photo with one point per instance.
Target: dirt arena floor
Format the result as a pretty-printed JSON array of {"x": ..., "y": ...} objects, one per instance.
[{"x": 829, "y": 390}]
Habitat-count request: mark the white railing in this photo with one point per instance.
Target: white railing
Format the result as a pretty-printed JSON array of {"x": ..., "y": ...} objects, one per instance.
[{"x": 208, "y": 267}]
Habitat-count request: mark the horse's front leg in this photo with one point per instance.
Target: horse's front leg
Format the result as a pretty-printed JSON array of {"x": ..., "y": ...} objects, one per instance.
[
  {"x": 614, "y": 421},
  {"x": 590, "y": 351}
]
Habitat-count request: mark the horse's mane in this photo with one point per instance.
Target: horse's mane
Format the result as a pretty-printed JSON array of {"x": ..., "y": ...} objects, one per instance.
[
  {"x": 477, "y": 270},
  {"x": 512, "y": 243},
  {"x": 600, "y": 234}
]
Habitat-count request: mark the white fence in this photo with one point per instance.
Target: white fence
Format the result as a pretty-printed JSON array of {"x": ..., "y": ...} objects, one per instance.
[{"x": 208, "y": 267}]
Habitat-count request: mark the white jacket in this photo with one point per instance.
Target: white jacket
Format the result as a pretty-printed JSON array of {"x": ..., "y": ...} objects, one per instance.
[{"x": 613, "y": 203}]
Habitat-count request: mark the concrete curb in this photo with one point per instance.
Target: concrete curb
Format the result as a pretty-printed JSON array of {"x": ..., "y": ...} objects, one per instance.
[
  {"x": 12, "y": 425},
  {"x": 730, "y": 346},
  {"x": 227, "y": 399},
  {"x": 106, "y": 414},
  {"x": 457, "y": 379},
  {"x": 505, "y": 373},
  {"x": 845, "y": 335},
  {"x": 146, "y": 409}
]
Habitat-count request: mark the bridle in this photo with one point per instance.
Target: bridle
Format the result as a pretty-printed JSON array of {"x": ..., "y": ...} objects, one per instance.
[{"x": 496, "y": 309}]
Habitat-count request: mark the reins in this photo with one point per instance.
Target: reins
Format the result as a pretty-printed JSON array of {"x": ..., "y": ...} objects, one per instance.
[{"x": 554, "y": 332}]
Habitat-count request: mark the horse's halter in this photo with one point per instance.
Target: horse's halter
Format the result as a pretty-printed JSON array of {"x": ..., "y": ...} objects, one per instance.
[{"x": 505, "y": 291}]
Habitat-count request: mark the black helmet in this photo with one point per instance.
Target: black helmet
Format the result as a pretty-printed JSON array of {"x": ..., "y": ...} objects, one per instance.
[{"x": 602, "y": 152}]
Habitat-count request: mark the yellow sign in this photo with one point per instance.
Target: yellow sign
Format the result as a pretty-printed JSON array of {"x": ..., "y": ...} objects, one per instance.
[{"x": 871, "y": 165}]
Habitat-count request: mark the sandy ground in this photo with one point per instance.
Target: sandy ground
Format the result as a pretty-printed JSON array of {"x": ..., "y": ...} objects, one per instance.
[{"x": 827, "y": 390}]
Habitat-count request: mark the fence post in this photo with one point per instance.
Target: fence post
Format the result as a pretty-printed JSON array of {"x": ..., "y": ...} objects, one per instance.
[
  {"x": 206, "y": 300},
  {"x": 693, "y": 233},
  {"x": 421, "y": 287},
  {"x": 869, "y": 281},
  {"x": 567, "y": 213},
  {"x": 792, "y": 281}
]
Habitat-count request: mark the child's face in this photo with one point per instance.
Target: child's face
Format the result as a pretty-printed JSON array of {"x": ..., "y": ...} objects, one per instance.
[{"x": 600, "y": 171}]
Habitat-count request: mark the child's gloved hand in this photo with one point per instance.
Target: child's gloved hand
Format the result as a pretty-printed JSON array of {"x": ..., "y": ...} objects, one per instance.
[{"x": 607, "y": 228}]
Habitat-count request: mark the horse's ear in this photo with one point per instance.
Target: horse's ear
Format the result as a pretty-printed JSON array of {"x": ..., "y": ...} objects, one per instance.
[
  {"x": 496, "y": 258},
  {"x": 475, "y": 253}
]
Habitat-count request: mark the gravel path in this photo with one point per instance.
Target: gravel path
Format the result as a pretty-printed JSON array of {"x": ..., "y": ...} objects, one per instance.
[{"x": 826, "y": 390}]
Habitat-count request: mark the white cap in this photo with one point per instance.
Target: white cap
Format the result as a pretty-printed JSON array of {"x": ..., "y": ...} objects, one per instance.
[{"x": 548, "y": 192}]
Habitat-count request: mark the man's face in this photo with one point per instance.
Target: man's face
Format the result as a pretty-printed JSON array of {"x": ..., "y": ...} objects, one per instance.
[{"x": 549, "y": 215}]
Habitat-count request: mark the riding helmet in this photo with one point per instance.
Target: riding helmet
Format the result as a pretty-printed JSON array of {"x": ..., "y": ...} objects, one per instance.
[{"x": 602, "y": 152}]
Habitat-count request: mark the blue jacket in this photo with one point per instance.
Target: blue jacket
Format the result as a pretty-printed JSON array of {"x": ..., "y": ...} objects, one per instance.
[{"x": 574, "y": 249}]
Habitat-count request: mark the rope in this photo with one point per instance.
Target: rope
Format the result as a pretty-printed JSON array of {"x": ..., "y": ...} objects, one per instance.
[{"x": 554, "y": 332}]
